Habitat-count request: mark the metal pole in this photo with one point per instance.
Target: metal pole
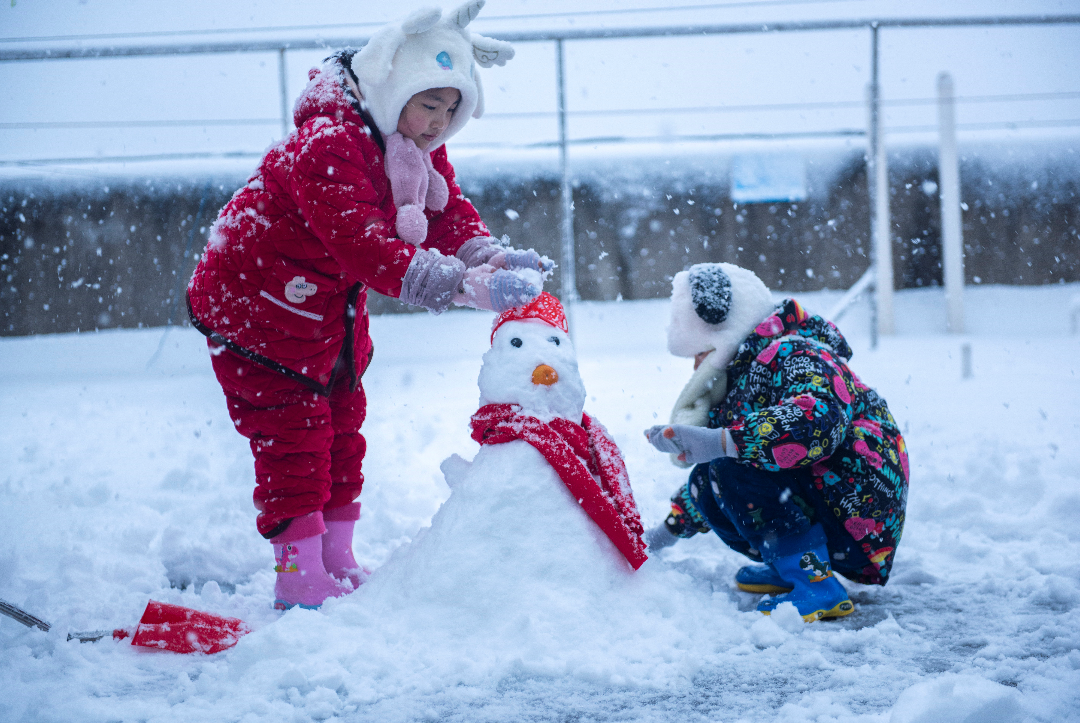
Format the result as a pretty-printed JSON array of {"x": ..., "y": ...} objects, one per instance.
[
  {"x": 952, "y": 233},
  {"x": 878, "y": 182},
  {"x": 284, "y": 88},
  {"x": 568, "y": 257}
]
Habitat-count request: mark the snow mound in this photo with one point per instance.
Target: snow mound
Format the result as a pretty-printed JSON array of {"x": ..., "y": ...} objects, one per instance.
[
  {"x": 512, "y": 579},
  {"x": 958, "y": 699}
]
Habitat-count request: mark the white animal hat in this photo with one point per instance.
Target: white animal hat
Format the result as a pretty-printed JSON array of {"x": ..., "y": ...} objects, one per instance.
[
  {"x": 715, "y": 306},
  {"x": 427, "y": 51}
]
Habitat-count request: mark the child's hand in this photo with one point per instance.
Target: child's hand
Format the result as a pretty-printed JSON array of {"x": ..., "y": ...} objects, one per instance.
[
  {"x": 511, "y": 289},
  {"x": 692, "y": 444},
  {"x": 490, "y": 289},
  {"x": 515, "y": 260},
  {"x": 473, "y": 291}
]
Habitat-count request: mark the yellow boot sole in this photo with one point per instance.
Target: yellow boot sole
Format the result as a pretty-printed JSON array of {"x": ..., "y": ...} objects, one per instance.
[
  {"x": 845, "y": 607},
  {"x": 763, "y": 589}
]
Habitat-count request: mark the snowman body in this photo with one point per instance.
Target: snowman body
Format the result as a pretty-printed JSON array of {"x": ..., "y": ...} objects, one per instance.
[{"x": 511, "y": 540}]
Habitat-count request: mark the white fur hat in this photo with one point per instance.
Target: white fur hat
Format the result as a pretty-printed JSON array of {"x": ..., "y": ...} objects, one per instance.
[
  {"x": 427, "y": 50},
  {"x": 715, "y": 306}
]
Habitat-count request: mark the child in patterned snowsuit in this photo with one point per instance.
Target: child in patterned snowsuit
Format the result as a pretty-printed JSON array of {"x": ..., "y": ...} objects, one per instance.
[
  {"x": 799, "y": 465},
  {"x": 360, "y": 195}
]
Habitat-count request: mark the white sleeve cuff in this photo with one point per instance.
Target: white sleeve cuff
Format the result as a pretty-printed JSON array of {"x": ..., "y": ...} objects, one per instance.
[{"x": 727, "y": 442}]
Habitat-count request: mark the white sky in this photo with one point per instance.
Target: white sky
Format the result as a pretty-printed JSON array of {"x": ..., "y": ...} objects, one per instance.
[{"x": 638, "y": 88}]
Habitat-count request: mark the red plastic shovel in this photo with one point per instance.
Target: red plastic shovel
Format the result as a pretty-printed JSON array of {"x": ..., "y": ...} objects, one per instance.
[{"x": 162, "y": 627}]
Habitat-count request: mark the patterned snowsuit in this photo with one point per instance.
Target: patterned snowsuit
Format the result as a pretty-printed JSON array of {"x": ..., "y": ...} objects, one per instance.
[
  {"x": 796, "y": 410},
  {"x": 281, "y": 294}
]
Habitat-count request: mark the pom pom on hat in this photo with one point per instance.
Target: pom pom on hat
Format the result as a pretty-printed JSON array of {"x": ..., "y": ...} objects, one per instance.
[
  {"x": 545, "y": 308},
  {"x": 427, "y": 50},
  {"x": 715, "y": 306},
  {"x": 710, "y": 290}
]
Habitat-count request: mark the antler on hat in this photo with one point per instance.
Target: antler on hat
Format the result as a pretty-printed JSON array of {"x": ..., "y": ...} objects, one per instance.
[{"x": 427, "y": 50}]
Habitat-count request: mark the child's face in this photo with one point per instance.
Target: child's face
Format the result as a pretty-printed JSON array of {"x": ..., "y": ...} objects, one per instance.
[{"x": 427, "y": 114}]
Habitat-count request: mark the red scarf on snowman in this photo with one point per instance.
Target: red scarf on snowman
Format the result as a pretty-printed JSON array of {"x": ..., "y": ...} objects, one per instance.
[{"x": 585, "y": 457}]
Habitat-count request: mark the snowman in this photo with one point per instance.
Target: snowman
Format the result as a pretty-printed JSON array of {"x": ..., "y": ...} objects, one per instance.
[
  {"x": 541, "y": 525},
  {"x": 531, "y": 404}
]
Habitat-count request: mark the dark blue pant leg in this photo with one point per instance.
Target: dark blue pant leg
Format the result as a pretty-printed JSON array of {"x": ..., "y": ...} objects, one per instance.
[
  {"x": 748, "y": 506},
  {"x": 702, "y": 497},
  {"x": 846, "y": 554}
]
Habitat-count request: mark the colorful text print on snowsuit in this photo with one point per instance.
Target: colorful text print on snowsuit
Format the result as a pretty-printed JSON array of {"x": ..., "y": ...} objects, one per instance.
[{"x": 793, "y": 403}]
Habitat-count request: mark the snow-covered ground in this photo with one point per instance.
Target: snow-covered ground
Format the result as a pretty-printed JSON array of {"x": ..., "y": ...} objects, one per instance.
[{"x": 123, "y": 481}]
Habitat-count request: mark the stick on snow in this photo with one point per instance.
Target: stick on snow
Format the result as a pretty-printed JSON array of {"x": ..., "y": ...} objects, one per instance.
[{"x": 17, "y": 613}]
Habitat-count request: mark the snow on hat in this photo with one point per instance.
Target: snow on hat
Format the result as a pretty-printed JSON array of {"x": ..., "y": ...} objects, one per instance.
[
  {"x": 545, "y": 308},
  {"x": 424, "y": 51},
  {"x": 715, "y": 306}
]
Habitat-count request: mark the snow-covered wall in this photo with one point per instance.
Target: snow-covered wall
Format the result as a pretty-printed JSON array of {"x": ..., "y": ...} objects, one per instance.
[{"x": 117, "y": 253}]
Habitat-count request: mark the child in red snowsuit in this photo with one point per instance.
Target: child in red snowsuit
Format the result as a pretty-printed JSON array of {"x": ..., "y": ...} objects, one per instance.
[{"x": 360, "y": 196}]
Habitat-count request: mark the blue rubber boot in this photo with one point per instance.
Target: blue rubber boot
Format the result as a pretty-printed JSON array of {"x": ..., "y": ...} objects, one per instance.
[
  {"x": 803, "y": 561},
  {"x": 761, "y": 579}
]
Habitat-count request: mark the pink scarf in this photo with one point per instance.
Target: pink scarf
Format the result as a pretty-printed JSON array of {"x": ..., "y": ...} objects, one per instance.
[{"x": 416, "y": 186}]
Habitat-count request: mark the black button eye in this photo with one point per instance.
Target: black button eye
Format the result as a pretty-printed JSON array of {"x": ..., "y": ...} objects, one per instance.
[
  {"x": 515, "y": 342},
  {"x": 554, "y": 339}
]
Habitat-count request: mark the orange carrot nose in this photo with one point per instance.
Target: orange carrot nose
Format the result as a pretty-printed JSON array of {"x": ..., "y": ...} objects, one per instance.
[{"x": 545, "y": 375}]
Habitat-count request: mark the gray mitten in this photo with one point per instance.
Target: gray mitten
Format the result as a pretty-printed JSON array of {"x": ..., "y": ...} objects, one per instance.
[
  {"x": 659, "y": 537},
  {"x": 478, "y": 251},
  {"x": 693, "y": 444},
  {"x": 431, "y": 280},
  {"x": 484, "y": 287},
  {"x": 527, "y": 259},
  {"x": 509, "y": 289}
]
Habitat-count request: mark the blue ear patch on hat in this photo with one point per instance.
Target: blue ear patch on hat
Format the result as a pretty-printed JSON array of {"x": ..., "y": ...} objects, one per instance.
[{"x": 443, "y": 59}]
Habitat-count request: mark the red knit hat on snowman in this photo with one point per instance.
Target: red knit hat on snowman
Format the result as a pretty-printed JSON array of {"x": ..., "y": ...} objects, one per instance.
[{"x": 545, "y": 308}]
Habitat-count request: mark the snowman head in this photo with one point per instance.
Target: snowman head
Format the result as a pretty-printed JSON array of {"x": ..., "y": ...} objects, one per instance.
[{"x": 532, "y": 363}]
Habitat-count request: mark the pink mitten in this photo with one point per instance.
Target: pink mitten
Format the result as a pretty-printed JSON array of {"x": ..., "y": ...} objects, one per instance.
[{"x": 474, "y": 288}]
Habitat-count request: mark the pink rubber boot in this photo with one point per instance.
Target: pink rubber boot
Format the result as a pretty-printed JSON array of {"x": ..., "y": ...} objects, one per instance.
[
  {"x": 337, "y": 554},
  {"x": 301, "y": 577}
]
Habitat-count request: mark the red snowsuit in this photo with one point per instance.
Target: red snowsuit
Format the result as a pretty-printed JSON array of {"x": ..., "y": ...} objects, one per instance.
[{"x": 281, "y": 294}]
